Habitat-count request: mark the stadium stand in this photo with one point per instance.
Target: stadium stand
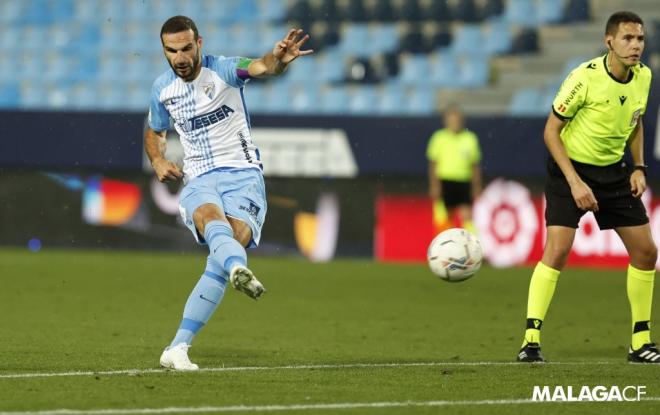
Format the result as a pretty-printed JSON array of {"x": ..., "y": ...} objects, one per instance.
[{"x": 372, "y": 56}]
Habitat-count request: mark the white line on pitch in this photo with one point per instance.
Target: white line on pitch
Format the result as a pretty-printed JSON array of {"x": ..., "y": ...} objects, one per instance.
[
  {"x": 288, "y": 367},
  {"x": 294, "y": 407}
]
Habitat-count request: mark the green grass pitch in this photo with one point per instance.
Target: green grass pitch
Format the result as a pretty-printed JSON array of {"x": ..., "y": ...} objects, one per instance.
[{"x": 349, "y": 337}]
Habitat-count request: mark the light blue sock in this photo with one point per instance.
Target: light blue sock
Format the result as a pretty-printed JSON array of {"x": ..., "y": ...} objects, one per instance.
[
  {"x": 203, "y": 301},
  {"x": 224, "y": 249}
]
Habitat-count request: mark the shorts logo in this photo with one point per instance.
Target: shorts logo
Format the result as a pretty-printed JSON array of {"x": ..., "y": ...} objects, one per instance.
[
  {"x": 252, "y": 210},
  {"x": 562, "y": 108}
]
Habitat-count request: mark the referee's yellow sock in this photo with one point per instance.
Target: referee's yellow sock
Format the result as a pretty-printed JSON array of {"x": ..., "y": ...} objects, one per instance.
[
  {"x": 469, "y": 226},
  {"x": 441, "y": 220},
  {"x": 541, "y": 288},
  {"x": 640, "y": 295}
]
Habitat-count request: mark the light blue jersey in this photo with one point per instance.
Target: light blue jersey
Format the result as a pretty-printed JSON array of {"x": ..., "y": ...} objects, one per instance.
[{"x": 210, "y": 115}]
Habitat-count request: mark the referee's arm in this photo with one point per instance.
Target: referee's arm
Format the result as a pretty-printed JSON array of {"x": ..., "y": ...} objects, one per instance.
[
  {"x": 636, "y": 144},
  {"x": 582, "y": 194},
  {"x": 435, "y": 189}
]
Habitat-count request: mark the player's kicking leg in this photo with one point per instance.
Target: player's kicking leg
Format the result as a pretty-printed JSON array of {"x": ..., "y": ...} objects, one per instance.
[
  {"x": 225, "y": 253},
  {"x": 203, "y": 211},
  {"x": 240, "y": 276},
  {"x": 227, "y": 237},
  {"x": 243, "y": 280}
]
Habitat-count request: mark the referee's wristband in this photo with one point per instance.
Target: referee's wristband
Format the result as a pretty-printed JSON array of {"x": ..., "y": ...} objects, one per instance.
[{"x": 642, "y": 167}]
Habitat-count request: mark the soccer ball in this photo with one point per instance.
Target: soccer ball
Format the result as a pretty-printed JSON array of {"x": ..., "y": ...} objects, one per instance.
[{"x": 455, "y": 255}]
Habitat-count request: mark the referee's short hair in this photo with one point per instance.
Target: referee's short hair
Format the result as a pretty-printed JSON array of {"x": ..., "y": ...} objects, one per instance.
[
  {"x": 621, "y": 17},
  {"x": 178, "y": 24}
]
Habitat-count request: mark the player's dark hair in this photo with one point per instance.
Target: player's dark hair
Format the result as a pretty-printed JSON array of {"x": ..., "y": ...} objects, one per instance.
[
  {"x": 178, "y": 24},
  {"x": 621, "y": 17}
]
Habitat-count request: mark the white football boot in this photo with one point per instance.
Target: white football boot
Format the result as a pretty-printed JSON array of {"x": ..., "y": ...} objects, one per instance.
[
  {"x": 177, "y": 358},
  {"x": 244, "y": 280}
]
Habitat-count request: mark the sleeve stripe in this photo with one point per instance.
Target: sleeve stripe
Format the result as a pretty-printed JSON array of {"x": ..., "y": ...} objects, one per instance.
[
  {"x": 242, "y": 68},
  {"x": 243, "y": 63},
  {"x": 558, "y": 115},
  {"x": 242, "y": 73}
]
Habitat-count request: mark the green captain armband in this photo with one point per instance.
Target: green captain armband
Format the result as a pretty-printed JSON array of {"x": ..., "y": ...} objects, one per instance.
[{"x": 242, "y": 68}]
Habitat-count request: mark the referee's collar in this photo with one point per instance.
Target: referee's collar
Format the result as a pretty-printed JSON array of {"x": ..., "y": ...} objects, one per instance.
[{"x": 631, "y": 73}]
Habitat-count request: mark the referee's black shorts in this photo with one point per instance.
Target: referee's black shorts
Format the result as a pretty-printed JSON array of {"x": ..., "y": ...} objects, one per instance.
[
  {"x": 456, "y": 193},
  {"x": 611, "y": 186}
]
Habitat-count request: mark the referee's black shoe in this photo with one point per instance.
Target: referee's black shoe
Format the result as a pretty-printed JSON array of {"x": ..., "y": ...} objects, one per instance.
[
  {"x": 648, "y": 353},
  {"x": 530, "y": 353}
]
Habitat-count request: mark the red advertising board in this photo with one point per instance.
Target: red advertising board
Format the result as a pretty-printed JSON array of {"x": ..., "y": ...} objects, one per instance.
[{"x": 509, "y": 222}]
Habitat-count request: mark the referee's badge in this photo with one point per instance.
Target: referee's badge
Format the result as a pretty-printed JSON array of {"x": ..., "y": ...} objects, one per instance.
[
  {"x": 635, "y": 118},
  {"x": 209, "y": 89}
]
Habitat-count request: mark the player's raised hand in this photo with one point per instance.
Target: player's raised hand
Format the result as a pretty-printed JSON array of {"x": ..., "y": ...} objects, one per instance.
[
  {"x": 637, "y": 183},
  {"x": 288, "y": 49},
  {"x": 167, "y": 170},
  {"x": 584, "y": 196}
]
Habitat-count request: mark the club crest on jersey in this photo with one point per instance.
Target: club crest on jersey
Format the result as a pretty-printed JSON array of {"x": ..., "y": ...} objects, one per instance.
[{"x": 209, "y": 89}]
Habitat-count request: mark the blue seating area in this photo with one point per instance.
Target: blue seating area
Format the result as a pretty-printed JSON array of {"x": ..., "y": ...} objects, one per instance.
[
  {"x": 378, "y": 57},
  {"x": 537, "y": 101}
]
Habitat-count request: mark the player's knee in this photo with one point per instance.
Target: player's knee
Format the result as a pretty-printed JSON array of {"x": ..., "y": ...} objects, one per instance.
[
  {"x": 206, "y": 213},
  {"x": 243, "y": 234}
]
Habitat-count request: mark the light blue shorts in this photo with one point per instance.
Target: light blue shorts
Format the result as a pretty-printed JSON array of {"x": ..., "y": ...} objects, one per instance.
[{"x": 240, "y": 193}]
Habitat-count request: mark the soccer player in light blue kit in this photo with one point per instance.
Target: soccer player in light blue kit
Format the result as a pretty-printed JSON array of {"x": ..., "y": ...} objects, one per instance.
[{"x": 223, "y": 201}]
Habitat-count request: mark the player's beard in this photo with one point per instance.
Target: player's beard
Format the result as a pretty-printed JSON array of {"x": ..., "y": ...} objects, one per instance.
[{"x": 193, "y": 68}]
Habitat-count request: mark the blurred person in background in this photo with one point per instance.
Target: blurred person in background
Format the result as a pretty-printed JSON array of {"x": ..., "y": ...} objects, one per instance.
[
  {"x": 596, "y": 114},
  {"x": 454, "y": 171},
  {"x": 223, "y": 202}
]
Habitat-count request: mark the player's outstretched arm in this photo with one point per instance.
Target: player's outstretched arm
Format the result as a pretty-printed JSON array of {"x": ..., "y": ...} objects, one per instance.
[
  {"x": 284, "y": 52},
  {"x": 155, "y": 145},
  {"x": 582, "y": 194}
]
